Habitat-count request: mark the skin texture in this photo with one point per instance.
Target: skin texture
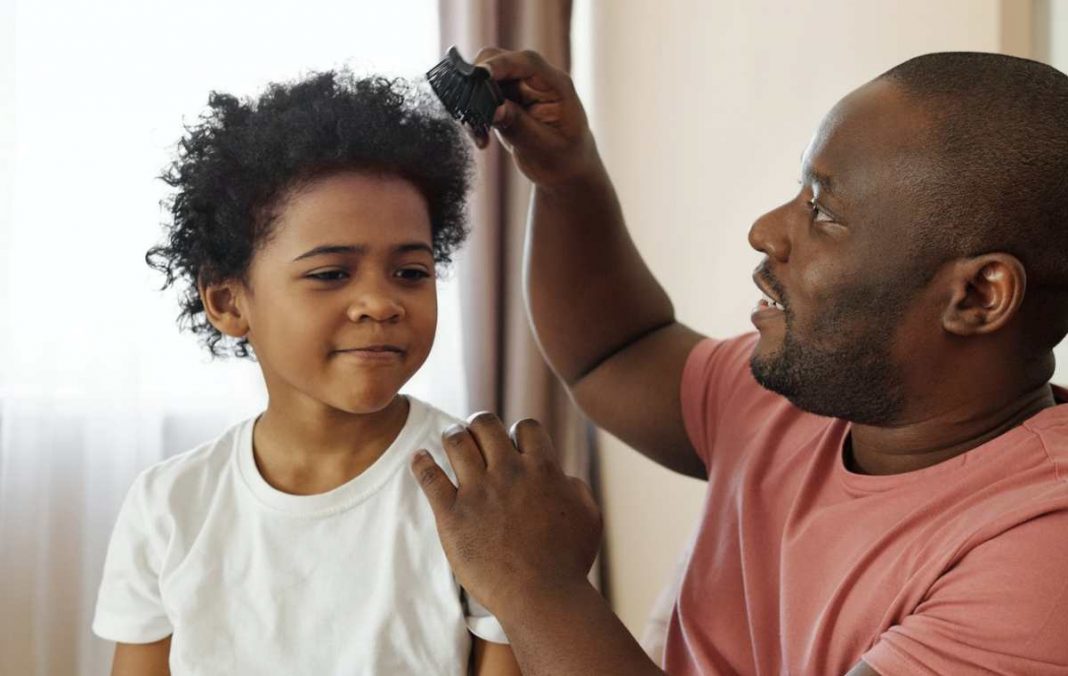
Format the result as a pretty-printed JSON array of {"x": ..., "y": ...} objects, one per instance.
[
  {"x": 310, "y": 315},
  {"x": 928, "y": 360},
  {"x": 142, "y": 659}
]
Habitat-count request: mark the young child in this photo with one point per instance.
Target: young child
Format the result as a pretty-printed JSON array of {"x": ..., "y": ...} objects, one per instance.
[{"x": 307, "y": 230}]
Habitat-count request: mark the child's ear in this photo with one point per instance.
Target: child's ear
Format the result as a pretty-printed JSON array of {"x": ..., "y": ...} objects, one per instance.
[{"x": 224, "y": 307}]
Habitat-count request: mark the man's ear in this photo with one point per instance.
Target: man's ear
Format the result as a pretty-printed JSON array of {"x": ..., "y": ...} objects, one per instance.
[
  {"x": 987, "y": 292},
  {"x": 224, "y": 305}
]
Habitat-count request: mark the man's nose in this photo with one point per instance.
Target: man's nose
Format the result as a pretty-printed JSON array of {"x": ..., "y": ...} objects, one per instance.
[{"x": 770, "y": 235}]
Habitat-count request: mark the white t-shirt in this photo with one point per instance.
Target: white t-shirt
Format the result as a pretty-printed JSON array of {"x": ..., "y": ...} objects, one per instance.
[{"x": 251, "y": 580}]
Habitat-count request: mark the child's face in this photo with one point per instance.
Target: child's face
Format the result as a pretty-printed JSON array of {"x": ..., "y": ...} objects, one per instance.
[{"x": 341, "y": 299}]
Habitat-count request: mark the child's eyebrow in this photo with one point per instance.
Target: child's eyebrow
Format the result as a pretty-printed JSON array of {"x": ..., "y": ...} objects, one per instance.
[{"x": 359, "y": 249}]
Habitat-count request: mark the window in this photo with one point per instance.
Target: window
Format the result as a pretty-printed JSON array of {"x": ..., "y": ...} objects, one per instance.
[{"x": 96, "y": 382}]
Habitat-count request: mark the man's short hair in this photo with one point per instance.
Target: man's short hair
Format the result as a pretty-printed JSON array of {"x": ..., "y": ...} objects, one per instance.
[{"x": 1000, "y": 162}]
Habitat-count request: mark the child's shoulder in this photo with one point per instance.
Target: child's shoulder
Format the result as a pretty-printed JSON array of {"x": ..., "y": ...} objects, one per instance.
[
  {"x": 435, "y": 420},
  {"x": 197, "y": 470}
]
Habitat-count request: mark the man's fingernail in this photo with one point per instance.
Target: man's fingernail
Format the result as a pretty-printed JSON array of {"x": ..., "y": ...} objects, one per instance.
[
  {"x": 422, "y": 454},
  {"x": 453, "y": 431},
  {"x": 498, "y": 115}
]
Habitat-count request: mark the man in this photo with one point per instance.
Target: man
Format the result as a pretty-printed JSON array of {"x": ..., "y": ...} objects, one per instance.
[{"x": 887, "y": 461}]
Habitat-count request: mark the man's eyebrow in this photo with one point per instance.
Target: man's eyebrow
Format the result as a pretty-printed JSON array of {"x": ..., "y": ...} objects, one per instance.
[
  {"x": 359, "y": 249},
  {"x": 822, "y": 180}
]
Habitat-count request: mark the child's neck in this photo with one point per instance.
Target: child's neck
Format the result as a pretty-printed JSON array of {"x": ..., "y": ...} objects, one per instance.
[{"x": 309, "y": 452}]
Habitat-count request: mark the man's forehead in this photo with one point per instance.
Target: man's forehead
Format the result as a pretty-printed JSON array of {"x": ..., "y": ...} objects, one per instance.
[{"x": 872, "y": 133}]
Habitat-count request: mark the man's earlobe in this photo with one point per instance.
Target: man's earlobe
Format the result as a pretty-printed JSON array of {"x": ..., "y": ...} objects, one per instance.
[
  {"x": 987, "y": 294},
  {"x": 222, "y": 306}
]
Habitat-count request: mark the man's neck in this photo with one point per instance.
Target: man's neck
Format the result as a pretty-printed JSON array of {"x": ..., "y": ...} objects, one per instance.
[{"x": 926, "y": 440}]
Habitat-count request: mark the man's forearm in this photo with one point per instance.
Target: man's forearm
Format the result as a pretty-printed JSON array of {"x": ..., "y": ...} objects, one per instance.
[
  {"x": 572, "y": 632},
  {"x": 589, "y": 293}
]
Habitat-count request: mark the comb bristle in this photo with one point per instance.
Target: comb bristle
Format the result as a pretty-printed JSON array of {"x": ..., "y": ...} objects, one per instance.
[{"x": 466, "y": 91}]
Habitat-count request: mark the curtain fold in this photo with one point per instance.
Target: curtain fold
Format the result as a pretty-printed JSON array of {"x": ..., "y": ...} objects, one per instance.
[{"x": 506, "y": 372}]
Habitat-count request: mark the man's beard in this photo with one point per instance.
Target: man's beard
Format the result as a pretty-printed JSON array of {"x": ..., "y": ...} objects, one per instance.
[{"x": 848, "y": 371}]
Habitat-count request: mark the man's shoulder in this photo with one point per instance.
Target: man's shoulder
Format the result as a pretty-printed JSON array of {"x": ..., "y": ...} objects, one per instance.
[{"x": 1050, "y": 427}]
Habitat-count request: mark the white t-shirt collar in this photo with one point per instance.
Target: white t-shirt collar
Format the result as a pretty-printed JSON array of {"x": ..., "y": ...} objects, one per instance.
[{"x": 345, "y": 496}]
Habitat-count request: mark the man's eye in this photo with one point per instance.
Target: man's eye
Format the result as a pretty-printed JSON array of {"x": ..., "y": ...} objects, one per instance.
[
  {"x": 328, "y": 275},
  {"x": 413, "y": 274},
  {"x": 818, "y": 214}
]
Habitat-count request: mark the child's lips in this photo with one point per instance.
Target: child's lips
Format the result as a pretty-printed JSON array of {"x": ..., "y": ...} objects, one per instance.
[{"x": 374, "y": 353}]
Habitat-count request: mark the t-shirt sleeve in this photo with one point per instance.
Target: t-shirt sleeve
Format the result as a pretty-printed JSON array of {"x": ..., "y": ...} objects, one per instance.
[
  {"x": 129, "y": 608},
  {"x": 480, "y": 622},
  {"x": 1002, "y": 609},
  {"x": 713, "y": 371}
]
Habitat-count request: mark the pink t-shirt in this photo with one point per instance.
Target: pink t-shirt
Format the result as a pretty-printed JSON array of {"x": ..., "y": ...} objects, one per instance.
[{"x": 803, "y": 567}]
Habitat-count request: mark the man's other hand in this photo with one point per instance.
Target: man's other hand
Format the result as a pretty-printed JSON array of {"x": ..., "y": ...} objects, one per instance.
[{"x": 516, "y": 524}]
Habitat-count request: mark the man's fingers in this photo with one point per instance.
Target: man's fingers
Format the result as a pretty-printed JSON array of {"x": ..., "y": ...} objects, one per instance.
[
  {"x": 464, "y": 454},
  {"x": 528, "y": 94},
  {"x": 528, "y": 66},
  {"x": 489, "y": 432},
  {"x": 518, "y": 128},
  {"x": 531, "y": 439},
  {"x": 487, "y": 53},
  {"x": 434, "y": 482}
]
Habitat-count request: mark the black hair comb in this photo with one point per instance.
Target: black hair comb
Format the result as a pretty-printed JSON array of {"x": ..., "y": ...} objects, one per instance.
[{"x": 467, "y": 91}]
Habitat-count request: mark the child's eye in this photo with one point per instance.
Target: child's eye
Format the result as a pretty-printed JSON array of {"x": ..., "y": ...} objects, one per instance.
[
  {"x": 328, "y": 275},
  {"x": 412, "y": 274}
]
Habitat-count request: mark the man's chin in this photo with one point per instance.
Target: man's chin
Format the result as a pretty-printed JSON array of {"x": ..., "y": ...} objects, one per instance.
[{"x": 766, "y": 374}]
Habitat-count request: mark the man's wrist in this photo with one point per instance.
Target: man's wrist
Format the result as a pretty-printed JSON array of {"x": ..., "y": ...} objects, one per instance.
[
  {"x": 579, "y": 186},
  {"x": 529, "y": 598}
]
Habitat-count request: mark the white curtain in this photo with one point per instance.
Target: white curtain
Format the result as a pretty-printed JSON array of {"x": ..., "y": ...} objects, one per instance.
[{"x": 96, "y": 382}]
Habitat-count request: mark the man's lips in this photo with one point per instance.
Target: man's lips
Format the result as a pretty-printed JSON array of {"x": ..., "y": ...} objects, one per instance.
[
  {"x": 770, "y": 301},
  {"x": 765, "y": 288}
]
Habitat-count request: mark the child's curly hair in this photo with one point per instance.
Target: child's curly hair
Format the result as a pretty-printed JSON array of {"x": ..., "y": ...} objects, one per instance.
[{"x": 236, "y": 166}]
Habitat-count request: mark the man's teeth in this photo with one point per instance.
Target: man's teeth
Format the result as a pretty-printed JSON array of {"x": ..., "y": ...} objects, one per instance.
[{"x": 772, "y": 303}]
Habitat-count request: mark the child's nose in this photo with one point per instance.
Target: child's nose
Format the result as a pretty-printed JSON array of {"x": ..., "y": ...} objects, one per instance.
[{"x": 375, "y": 304}]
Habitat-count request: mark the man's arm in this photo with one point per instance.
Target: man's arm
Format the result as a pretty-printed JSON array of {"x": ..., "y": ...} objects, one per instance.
[
  {"x": 604, "y": 323},
  {"x": 142, "y": 659},
  {"x": 521, "y": 537},
  {"x": 492, "y": 659}
]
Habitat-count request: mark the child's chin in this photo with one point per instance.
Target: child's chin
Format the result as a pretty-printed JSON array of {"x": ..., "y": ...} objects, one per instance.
[{"x": 365, "y": 403}]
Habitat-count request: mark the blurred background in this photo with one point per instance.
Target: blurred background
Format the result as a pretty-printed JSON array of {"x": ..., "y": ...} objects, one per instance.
[{"x": 701, "y": 109}]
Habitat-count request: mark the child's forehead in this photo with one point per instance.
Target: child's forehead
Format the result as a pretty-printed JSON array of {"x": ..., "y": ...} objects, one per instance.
[{"x": 354, "y": 208}]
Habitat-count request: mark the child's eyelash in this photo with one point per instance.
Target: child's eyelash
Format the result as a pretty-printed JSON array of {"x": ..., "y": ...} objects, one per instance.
[
  {"x": 419, "y": 274},
  {"x": 407, "y": 274},
  {"x": 328, "y": 275}
]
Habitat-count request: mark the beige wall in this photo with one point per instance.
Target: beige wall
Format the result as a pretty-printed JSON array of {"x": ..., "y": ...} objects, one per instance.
[{"x": 702, "y": 109}]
